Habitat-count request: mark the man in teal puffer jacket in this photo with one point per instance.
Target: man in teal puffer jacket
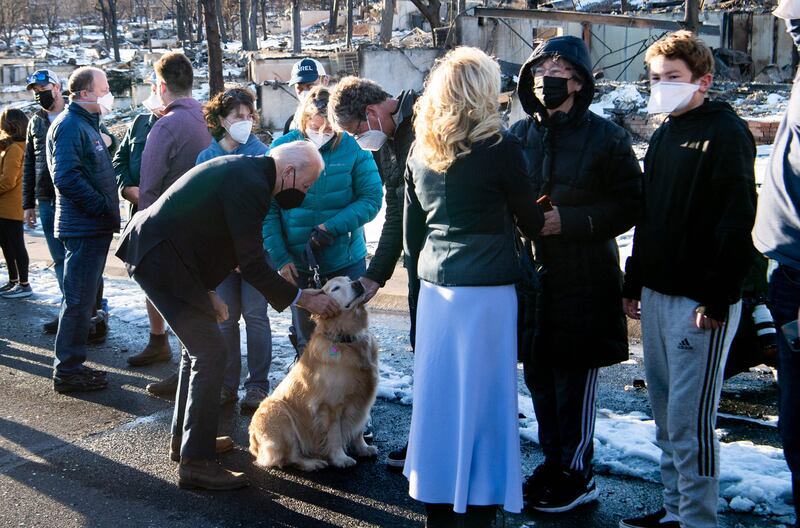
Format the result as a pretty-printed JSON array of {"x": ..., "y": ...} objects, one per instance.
[{"x": 346, "y": 196}]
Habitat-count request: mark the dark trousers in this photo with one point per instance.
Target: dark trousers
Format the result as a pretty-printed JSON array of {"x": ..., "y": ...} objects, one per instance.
[
  {"x": 182, "y": 300},
  {"x": 784, "y": 302},
  {"x": 12, "y": 241},
  {"x": 83, "y": 273},
  {"x": 564, "y": 401},
  {"x": 413, "y": 295}
]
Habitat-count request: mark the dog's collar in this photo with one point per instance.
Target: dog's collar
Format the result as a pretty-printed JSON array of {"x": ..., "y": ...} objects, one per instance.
[{"x": 346, "y": 338}]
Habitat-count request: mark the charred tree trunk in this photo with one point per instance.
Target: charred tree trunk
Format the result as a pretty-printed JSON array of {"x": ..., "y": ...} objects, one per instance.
[
  {"x": 199, "y": 20},
  {"x": 215, "y": 80},
  {"x": 253, "y": 20},
  {"x": 264, "y": 18},
  {"x": 349, "y": 37},
  {"x": 243, "y": 24},
  {"x": 112, "y": 9},
  {"x": 692, "y": 16},
  {"x": 333, "y": 18},
  {"x": 180, "y": 18},
  {"x": 387, "y": 21},
  {"x": 297, "y": 43},
  {"x": 217, "y": 8},
  {"x": 431, "y": 11}
]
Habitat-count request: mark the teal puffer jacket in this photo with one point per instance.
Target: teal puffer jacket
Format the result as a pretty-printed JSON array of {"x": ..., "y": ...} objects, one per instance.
[{"x": 346, "y": 196}]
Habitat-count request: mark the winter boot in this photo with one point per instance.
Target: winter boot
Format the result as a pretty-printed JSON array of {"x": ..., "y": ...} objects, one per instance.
[{"x": 156, "y": 351}]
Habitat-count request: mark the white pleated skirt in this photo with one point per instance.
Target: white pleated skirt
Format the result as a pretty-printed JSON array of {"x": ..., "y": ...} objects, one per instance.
[{"x": 463, "y": 446}]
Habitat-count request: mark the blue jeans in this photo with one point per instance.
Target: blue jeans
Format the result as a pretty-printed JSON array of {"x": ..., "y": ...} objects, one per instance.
[
  {"x": 84, "y": 261},
  {"x": 784, "y": 302},
  {"x": 244, "y": 300},
  {"x": 47, "y": 215},
  {"x": 301, "y": 319}
]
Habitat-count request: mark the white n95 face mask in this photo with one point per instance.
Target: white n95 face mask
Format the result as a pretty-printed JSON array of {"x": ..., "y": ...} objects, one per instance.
[
  {"x": 788, "y": 9},
  {"x": 318, "y": 138},
  {"x": 106, "y": 103},
  {"x": 240, "y": 131},
  {"x": 372, "y": 140},
  {"x": 667, "y": 97},
  {"x": 153, "y": 102}
]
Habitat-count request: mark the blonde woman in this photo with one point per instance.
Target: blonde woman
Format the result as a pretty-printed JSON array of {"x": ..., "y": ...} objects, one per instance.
[{"x": 466, "y": 184}]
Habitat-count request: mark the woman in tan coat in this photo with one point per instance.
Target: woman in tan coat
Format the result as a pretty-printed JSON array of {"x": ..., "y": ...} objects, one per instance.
[{"x": 13, "y": 124}]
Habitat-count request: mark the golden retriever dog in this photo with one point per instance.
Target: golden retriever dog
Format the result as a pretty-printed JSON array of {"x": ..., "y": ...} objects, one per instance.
[{"x": 316, "y": 415}]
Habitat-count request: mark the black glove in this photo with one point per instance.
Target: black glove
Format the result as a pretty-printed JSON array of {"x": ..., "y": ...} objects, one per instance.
[{"x": 320, "y": 239}]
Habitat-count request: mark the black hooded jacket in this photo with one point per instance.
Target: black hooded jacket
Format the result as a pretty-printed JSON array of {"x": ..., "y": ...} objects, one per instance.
[{"x": 586, "y": 165}]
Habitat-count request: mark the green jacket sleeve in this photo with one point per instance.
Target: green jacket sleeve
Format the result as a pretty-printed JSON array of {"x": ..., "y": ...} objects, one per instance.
[
  {"x": 368, "y": 192},
  {"x": 121, "y": 161},
  {"x": 274, "y": 243}
]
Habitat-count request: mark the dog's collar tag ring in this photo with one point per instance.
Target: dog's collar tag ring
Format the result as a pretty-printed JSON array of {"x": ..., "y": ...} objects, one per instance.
[{"x": 334, "y": 352}]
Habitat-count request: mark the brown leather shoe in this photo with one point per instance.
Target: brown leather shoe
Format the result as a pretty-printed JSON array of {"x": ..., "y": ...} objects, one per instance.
[
  {"x": 210, "y": 475},
  {"x": 165, "y": 388},
  {"x": 157, "y": 350},
  {"x": 223, "y": 445}
]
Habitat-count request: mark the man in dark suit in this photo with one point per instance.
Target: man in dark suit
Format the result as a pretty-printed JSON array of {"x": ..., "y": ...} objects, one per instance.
[{"x": 181, "y": 247}]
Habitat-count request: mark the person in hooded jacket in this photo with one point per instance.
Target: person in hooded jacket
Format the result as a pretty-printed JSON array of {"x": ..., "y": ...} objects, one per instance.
[
  {"x": 691, "y": 253},
  {"x": 583, "y": 167},
  {"x": 230, "y": 115},
  {"x": 332, "y": 218}
]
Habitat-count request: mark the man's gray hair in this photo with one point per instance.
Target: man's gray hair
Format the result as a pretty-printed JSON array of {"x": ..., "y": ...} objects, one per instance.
[{"x": 302, "y": 155}]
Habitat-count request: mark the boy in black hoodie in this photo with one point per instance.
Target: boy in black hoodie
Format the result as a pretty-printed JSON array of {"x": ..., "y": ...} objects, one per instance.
[{"x": 691, "y": 252}]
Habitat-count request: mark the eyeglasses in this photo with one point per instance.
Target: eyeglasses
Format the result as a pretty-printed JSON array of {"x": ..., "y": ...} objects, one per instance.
[
  {"x": 553, "y": 71},
  {"x": 321, "y": 106},
  {"x": 39, "y": 77}
]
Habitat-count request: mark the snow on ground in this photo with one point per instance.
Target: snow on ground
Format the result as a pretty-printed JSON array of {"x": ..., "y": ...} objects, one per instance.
[{"x": 754, "y": 478}]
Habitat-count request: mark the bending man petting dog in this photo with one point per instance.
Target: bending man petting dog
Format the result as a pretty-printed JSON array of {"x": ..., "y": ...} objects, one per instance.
[
  {"x": 181, "y": 247},
  {"x": 316, "y": 415}
]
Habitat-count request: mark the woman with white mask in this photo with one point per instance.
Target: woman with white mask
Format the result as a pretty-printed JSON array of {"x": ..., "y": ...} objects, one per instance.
[
  {"x": 230, "y": 117},
  {"x": 330, "y": 222}
]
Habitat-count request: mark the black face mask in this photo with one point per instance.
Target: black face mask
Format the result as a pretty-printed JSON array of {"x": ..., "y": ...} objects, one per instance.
[
  {"x": 290, "y": 198},
  {"x": 45, "y": 99},
  {"x": 552, "y": 92}
]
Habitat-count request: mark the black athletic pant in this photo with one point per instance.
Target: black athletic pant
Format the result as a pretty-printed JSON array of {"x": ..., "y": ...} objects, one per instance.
[
  {"x": 12, "y": 242},
  {"x": 564, "y": 400}
]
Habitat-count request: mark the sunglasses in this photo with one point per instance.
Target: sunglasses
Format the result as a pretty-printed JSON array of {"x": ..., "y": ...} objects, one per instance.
[{"x": 39, "y": 77}]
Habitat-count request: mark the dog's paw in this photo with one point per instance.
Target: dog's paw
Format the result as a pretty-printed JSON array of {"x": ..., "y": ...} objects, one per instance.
[
  {"x": 366, "y": 451},
  {"x": 343, "y": 461},
  {"x": 312, "y": 464}
]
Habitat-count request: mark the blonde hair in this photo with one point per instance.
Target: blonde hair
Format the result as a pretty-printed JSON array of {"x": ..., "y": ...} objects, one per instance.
[
  {"x": 315, "y": 103},
  {"x": 458, "y": 108}
]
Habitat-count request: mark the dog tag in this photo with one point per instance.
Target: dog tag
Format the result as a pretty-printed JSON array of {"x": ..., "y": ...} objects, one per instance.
[{"x": 334, "y": 352}]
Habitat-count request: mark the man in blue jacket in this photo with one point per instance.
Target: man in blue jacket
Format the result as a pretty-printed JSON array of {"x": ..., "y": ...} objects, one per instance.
[
  {"x": 87, "y": 216},
  {"x": 777, "y": 235}
]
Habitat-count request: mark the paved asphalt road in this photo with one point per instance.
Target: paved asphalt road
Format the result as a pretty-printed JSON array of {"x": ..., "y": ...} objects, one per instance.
[{"x": 100, "y": 460}]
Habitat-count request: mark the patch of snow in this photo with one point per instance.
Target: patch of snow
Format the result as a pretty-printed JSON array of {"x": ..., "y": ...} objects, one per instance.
[{"x": 626, "y": 96}]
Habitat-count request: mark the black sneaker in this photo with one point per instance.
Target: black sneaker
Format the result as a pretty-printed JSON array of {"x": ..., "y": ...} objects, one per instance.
[
  {"x": 652, "y": 520},
  {"x": 50, "y": 327},
  {"x": 542, "y": 476},
  {"x": 397, "y": 458},
  {"x": 8, "y": 286},
  {"x": 82, "y": 382},
  {"x": 565, "y": 492}
]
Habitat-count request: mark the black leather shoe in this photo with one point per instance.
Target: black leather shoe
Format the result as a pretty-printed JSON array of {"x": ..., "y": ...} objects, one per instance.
[{"x": 50, "y": 327}]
